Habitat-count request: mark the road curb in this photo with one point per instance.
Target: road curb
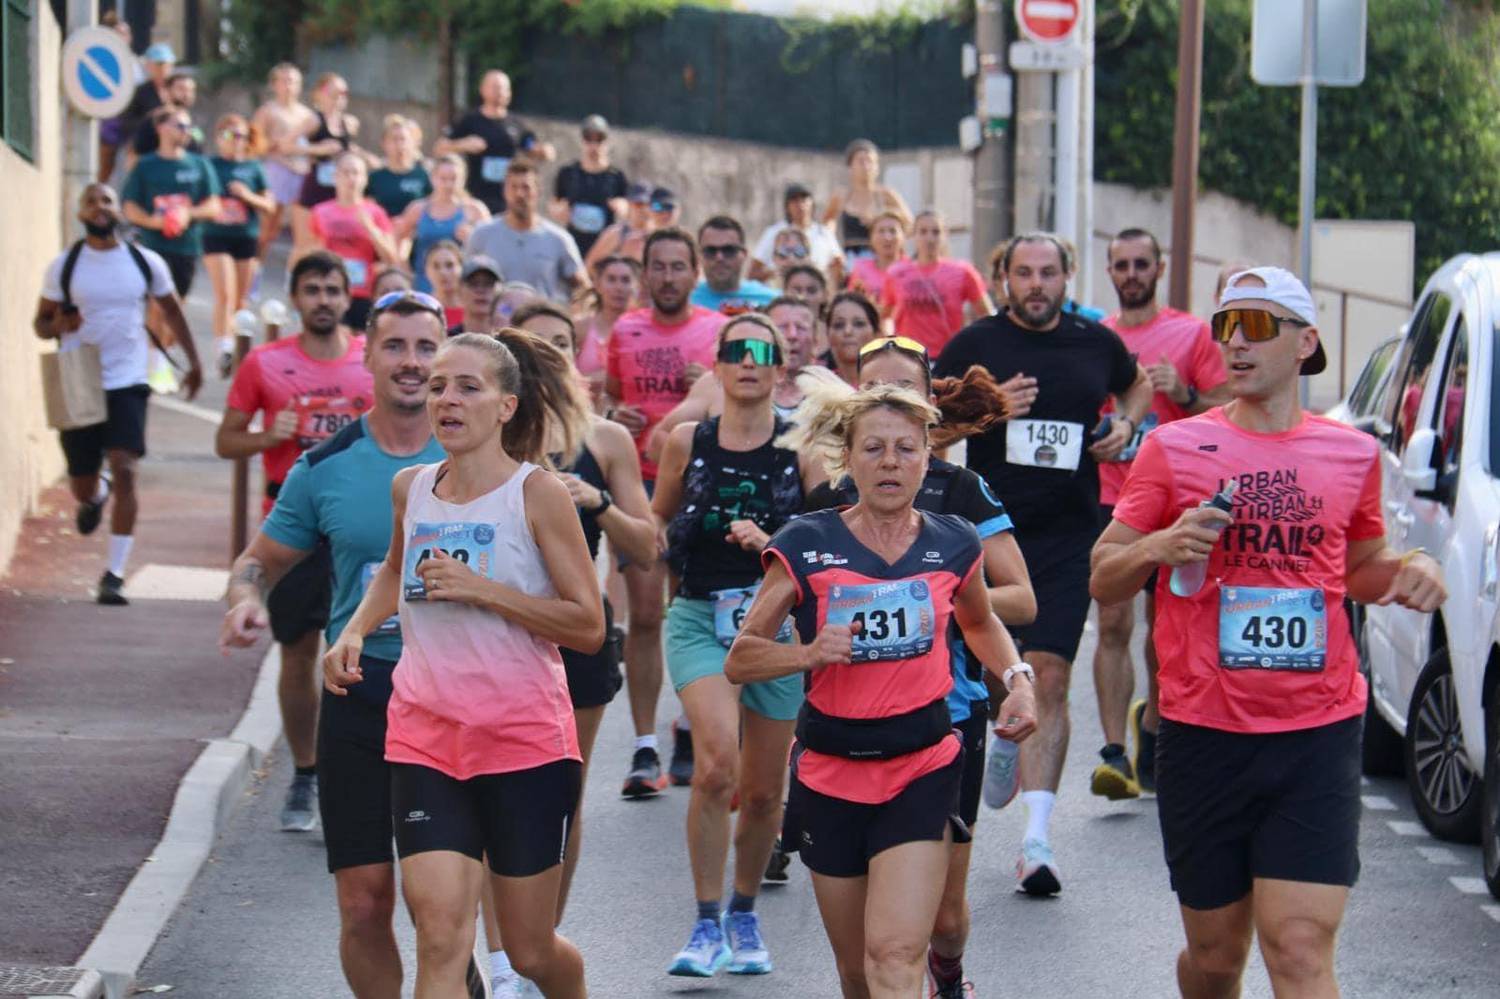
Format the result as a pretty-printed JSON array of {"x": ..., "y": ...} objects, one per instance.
[{"x": 207, "y": 794}]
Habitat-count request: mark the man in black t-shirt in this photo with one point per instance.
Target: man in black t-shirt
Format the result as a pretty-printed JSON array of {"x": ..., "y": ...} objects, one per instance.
[
  {"x": 489, "y": 138},
  {"x": 589, "y": 194},
  {"x": 1041, "y": 464},
  {"x": 182, "y": 94}
]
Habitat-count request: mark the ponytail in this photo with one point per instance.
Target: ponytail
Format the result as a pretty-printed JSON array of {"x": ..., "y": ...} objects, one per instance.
[{"x": 970, "y": 405}]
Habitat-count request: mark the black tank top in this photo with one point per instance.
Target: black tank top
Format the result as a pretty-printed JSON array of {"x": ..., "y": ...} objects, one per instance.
[
  {"x": 720, "y": 486},
  {"x": 586, "y": 467},
  {"x": 853, "y": 233},
  {"x": 322, "y": 133}
]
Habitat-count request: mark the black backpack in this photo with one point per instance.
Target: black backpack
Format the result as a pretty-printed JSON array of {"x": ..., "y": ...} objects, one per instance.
[{"x": 70, "y": 263}]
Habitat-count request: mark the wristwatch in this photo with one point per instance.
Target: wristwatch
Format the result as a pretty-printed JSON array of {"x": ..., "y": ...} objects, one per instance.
[
  {"x": 1192, "y": 397},
  {"x": 1019, "y": 669},
  {"x": 605, "y": 502}
]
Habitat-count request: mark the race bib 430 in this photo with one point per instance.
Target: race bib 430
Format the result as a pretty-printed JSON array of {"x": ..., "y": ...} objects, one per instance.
[
  {"x": 470, "y": 543},
  {"x": 1264, "y": 627}
]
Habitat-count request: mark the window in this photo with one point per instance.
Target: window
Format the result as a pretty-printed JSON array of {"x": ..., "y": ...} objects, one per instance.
[
  {"x": 1450, "y": 408},
  {"x": 1404, "y": 401},
  {"x": 1363, "y": 398},
  {"x": 17, "y": 113}
]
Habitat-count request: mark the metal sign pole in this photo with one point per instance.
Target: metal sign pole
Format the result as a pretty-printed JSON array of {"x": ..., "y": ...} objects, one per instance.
[{"x": 1308, "y": 180}]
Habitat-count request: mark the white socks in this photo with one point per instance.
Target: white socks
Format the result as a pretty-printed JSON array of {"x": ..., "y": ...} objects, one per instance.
[
  {"x": 646, "y": 741},
  {"x": 683, "y": 725},
  {"x": 1038, "y": 813},
  {"x": 101, "y": 491},
  {"x": 119, "y": 553}
]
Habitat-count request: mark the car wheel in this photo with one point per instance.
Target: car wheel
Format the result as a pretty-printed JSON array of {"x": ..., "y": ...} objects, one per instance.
[
  {"x": 1489, "y": 831},
  {"x": 1445, "y": 792},
  {"x": 1382, "y": 753}
]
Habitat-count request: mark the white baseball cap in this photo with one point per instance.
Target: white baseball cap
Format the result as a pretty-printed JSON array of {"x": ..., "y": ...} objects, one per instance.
[{"x": 1286, "y": 290}]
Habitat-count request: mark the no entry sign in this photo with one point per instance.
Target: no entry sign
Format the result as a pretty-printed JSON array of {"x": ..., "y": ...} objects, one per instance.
[{"x": 1047, "y": 20}]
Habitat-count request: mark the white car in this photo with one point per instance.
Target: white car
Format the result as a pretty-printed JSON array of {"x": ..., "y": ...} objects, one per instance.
[{"x": 1435, "y": 678}]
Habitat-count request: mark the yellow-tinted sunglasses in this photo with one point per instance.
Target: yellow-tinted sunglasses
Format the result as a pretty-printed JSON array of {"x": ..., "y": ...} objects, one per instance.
[
  {"x": 1257, "y": 325},
  {"x": 904, "y": 344}
]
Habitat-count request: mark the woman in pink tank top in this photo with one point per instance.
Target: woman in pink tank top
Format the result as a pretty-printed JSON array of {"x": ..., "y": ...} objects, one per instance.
[{"x": 490, "y": 572}]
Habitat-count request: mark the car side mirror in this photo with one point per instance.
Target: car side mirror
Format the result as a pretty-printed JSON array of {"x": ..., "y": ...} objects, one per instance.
[
  {"x": 1369, "y": 425},
  {"x": 1417, "y": 462}
]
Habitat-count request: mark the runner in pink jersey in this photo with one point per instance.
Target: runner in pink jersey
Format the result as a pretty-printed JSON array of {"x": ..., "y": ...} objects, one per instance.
[
  {"x": 872, "y": 589},
  {"x": 305, "y": 388},
  {"x": 1258, "y": 774},
  {"x": 1187, "y": 373},
  {"x": 357, "y": 231},
  {"x": 654, "y": 356},
  {"x": 490, "y": 571},
  {"x": 925, "y": 297}
]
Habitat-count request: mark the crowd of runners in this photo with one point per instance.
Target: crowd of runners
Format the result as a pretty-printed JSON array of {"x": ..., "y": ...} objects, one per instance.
[{"x": 518, "y": 456}]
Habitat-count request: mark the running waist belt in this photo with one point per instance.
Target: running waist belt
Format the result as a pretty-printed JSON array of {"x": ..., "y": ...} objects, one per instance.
[{"x": 874, "y": 738}]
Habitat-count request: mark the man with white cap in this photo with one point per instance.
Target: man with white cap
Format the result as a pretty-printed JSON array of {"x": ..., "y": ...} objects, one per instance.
[{"x": 1258, "y": 757}]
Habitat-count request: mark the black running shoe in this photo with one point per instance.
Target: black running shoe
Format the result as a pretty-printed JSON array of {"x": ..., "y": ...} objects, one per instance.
[
  {"x": 779, "y": 862},
  {"x": 109, "y": 590},
  {"x": 645, "y": 779},
  {"x": 680, "y": 770},
  {"x": 89, "y": 512}
]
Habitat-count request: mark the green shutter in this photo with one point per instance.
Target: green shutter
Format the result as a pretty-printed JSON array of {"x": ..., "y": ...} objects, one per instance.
[{"x": 17, "y": 115}]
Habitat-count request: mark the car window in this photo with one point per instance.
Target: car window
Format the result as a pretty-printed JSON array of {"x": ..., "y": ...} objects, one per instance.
[
  {"x": 1414, "y": 364},
  {"x": 1450, "y": 405},
  {"x": 1363, "y": 398}
]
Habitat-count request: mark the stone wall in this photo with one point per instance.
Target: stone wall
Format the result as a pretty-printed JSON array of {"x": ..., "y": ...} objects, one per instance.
[{"x": 29, "y": 238}]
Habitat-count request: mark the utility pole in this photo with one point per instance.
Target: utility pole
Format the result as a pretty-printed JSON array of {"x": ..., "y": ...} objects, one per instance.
[
  {"x": 993, "y": 217},
  {"x": 1185, "y": 151}
]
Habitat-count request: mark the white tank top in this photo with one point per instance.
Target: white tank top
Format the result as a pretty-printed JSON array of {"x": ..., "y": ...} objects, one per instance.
[{"x": 475, "y": 693}]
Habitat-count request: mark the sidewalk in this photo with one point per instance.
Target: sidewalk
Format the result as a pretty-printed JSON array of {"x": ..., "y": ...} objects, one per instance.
[{"x": 104, "y": 709}]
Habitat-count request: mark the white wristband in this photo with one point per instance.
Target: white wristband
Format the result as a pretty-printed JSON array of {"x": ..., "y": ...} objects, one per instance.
[{"x": 1019, "y": 669}]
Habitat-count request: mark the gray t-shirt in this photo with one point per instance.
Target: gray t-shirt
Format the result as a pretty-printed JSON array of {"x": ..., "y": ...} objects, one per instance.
[{"x": 544, "y": 256}]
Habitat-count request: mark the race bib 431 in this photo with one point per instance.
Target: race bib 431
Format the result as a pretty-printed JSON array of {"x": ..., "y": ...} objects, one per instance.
[{"x": 896, "y": 620}]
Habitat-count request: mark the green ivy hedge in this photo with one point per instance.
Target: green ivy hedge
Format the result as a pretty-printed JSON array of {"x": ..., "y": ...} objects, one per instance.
[{"x": 1419, "y": 139}]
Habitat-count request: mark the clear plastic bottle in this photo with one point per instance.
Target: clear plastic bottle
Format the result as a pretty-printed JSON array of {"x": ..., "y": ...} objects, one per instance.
[{"x": 1188, "y": 579}]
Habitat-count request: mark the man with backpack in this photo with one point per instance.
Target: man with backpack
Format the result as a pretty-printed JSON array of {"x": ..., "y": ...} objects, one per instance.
[{"x": 95, "y": 295}]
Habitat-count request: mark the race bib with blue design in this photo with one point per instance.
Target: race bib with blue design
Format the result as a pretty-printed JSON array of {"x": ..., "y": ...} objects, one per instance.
[
  {"x": 324, "y": 173},
  {"x": 358, "y": 271},
  {"x": 392, "y": 624},
  {"x": 472, "y": 544},
  {"x": 730, "y": 608},
  {"x": 589, "y": 218},
  {"x": 1265, "y": 627},
  {"x": 896, "y": 620},
  {"x": 492, "y": 168}
]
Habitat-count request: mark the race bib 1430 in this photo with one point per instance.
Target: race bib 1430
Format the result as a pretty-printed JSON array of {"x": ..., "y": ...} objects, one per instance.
[
  {"x": 1263, "y": 627},
  {"x": 1044, "y": 443}
]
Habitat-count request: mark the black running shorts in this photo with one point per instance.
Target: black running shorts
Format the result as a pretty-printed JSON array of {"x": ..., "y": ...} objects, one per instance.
[
  {"x": 123, "y": 429},
  {"x": 1236, "y": 807},
  {"x": 1059, "y": 569},
  {"x": 299, "y": 603},
  {"x": 354, "y": 780},
  {"x": 595, "y": 678},
  {"x": 517, "y": 821},
  {"x": 974, "y": 732},
  {"x": 837, "y": 838}
]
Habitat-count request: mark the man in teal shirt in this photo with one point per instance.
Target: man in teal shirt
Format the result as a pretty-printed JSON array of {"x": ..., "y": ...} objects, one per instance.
[
  {"x": 724, "y": 288},
  {"x": 169, "y": 194},
  {"x": 341, "y": 490}
]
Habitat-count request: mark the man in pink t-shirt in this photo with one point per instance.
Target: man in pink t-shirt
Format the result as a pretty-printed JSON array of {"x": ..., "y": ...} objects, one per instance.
[
  {"x": 1186, "y": 371},
  {"x": 306, "y": 388},
  {"x": 925, "y": 297},
  {"x": 1258, "y": 775},
  {"x": 654, "y": 357}
]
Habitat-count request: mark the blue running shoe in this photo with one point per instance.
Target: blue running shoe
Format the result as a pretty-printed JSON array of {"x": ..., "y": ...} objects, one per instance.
[
  {"x": 1036, "y": 870},
  {"x": 748, "y": 954},
  {"x": 1002, "y": 773},
  {"x": 705, "y": 954}
]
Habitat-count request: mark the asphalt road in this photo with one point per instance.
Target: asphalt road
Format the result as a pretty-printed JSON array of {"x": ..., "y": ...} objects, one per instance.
[{"x": 261, "y": 921}]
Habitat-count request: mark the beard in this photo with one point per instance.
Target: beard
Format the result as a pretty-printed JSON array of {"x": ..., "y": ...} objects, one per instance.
[
  {"x": 321, "y": 323},
  {"x": 1024, "y": 311},
  {"x": 101, "y": 230},
  {"x": 1134, "y": 298}
]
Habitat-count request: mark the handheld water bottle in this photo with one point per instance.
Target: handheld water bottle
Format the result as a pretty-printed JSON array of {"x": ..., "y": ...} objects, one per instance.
[{"x": 1188, "y": 579}]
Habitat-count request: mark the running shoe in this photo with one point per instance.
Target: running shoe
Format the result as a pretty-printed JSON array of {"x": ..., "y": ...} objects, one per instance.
[
  {"x": 300, "y": 813},
  {"x": 474, "y": 982},
  {"x": 90, "y": 513},
  {"x": 681, "y": 767},
  {"x": 527, "y": 989},
  {"x": 705, "y": 953},
  {"x": 1144, "y": 760},
  {"x": 1002, "y": 773},
  {"x": 958, "y": 990},
  {"x": 748, "y": 954},
  {"x": 1036, "y": 870},
  {"x": 110, "y": 586},
  {"x": 645, "y": 779},
  {"x": 779, "y": 862},
  {"x": 225, "y": 364},
  {"x": 1114, "y": 778}
]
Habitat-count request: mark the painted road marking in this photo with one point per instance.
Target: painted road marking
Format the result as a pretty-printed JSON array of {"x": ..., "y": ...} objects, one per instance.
[
  {"x": 1378, "y": 803},
  {"x": 177, "y": 582},
  {"x": 1470, "y": 886},
  {"x": 1493, "y": 911},
  {"x": 1439, "y": 855},
  {"x": 1403, "y": 828}
]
